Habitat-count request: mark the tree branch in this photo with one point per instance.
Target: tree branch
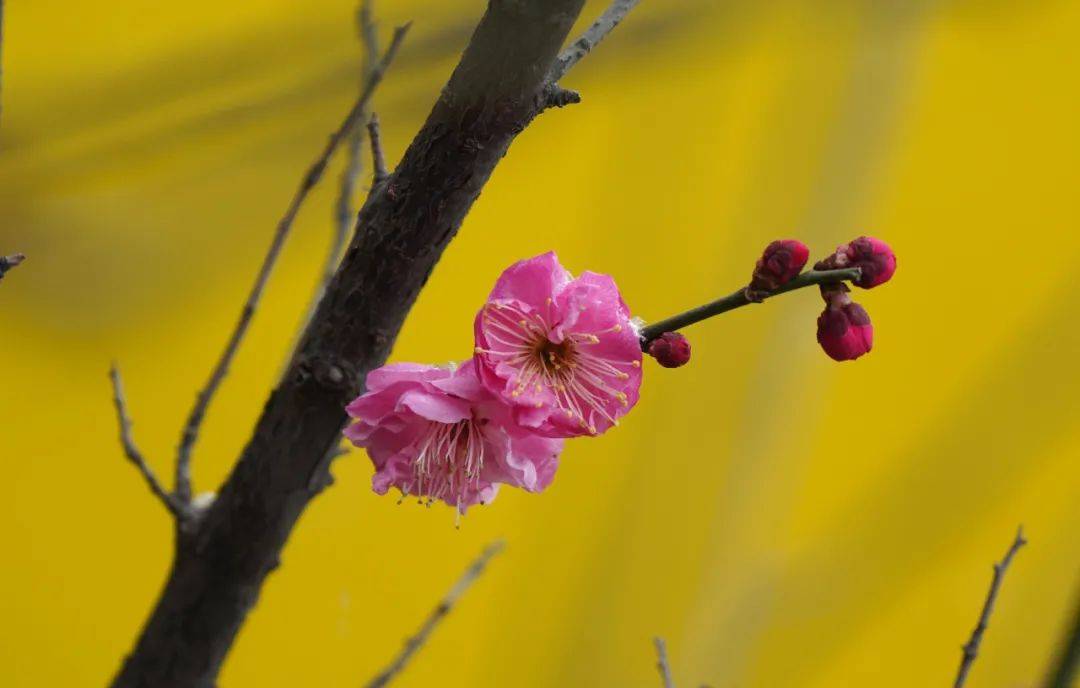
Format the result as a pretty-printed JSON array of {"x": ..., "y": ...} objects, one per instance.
[
  {"x": 195, "y": 418},
  {"x": 494, "y": 93},
  {"x": 739, "y": 299},
  {"x": 1066, "y": 665},
  {"x": 971, "y": 648},
  {"x": 8, "y": 262},
  {"x": 417, "y": 640},
  {"x": 378, "y": 160},
  {"x": 662, "y": 664},
  {"x": 177, "y": 509},
  {"x": 592, "y": 37},
  {"x": 345, "y": 208}
]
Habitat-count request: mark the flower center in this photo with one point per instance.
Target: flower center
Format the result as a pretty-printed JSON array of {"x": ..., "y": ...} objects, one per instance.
[
  {"x": 583, "y": 383},
  {"x": 448, "y": 463}
]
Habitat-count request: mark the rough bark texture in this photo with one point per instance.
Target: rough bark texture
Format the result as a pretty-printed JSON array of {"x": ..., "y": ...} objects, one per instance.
[{"x": 402, "y": 230}]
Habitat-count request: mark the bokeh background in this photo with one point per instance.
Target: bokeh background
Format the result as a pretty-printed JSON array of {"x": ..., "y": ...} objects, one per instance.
[{"x": 781, "y": 519}]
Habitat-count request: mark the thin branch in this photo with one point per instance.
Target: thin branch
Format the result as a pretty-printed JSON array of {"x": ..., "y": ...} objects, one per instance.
[
  {"x": 971, "y": 648},
  {"x": 444, "y": 607},
  {"x": 132, "y": 451},
  {"x": 345, "y": 208},
  {"x": 1067, "y": 663},
  {"x": 310, "y": 179},
  {"x": 662, "y": 664},
  {"x": 8, "y": 262},
  {"x": 740, "y": 298},
  {"x": 592, "y": 37},
  {"x": 378, "y": 160}
]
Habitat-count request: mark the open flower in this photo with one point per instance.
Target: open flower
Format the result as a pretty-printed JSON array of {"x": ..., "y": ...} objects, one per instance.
[
  {"x": 560, "y": 350},
  {"x": 436, "y": 433}
]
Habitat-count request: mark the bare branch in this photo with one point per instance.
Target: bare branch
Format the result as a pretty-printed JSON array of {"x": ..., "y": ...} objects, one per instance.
[
  {"x": 414, "y": 643},
  {"x": 971, "y": 648},
  {"x": 378, "y": 160},
  {"x": 1067, "y": 663},
  {"x": 400, "y": 235},
  {"x": 345, "y": 205},
  {"x": 132, "y": 451},
  {"x": 310, "y": 179},
  {"x": 592, "y": 37},
  {"x": 662, "y": 664},
  {"x": 8, "y": 262}
]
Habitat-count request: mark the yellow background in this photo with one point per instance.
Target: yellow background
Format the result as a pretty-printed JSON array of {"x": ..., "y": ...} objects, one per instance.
[{"x": 781, "y": 519}]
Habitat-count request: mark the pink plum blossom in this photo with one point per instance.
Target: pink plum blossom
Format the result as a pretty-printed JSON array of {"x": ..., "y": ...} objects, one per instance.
[
  {"x": 436, "y": 433},
  {"x": 561, "y": 351}
]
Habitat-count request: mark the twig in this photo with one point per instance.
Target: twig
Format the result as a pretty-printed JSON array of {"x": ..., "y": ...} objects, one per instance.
[
  {"x": 345, "y": 208},
  {"x": 739, "y": 299},
  {"x": 132, "y": 451},
  {"x": 662, "y": 664},
  {"x": 8, "y": 262},
  {"x": 444, "y": 607},
  {"x": 971, "y": 648},
  {"x": 592, "y": 37},
  {"x": 310, "y": 179},
  {"x": 378, "y": 160},
  {"x": 1067, "y": 663}
]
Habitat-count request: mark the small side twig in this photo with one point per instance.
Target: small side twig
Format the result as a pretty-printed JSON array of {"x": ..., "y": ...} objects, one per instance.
[
  {"x": 8, "y": 262},
  {"x": 345, "y": 207},
  {"x": 592, "y": 37},
  {"x": 662, "y": 664},
  {"x": 132, "y": 451},
  {"x": 417, "y": 640},
  {"x": 1066, "y": 665},
  {"x": 378, "y": 160},
  {"x": 195, "y": 418},
  {"x": 971, "y": 647}
]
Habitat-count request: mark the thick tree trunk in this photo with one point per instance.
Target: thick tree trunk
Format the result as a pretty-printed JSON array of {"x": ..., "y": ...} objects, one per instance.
[{"x": 496, "y": 89}]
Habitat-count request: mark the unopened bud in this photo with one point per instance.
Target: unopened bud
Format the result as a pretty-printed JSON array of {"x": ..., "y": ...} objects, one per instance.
[
  {"x": 781, "y": 262},
  {"x": 844, "y": 330},
  {"x": 873, "y": 256},
  {"x": 670, "y": 350}
]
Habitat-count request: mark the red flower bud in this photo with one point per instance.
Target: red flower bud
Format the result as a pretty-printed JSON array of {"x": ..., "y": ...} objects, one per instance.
[
  {"x": 843, "y": 328},
  {"x": 782, "y": 261},
  {"x": 670, "y": 350},
  {"x": 873, "y": 256}
]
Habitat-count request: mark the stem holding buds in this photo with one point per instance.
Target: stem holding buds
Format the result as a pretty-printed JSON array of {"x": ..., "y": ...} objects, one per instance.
[{"x": 739, "y": 299}]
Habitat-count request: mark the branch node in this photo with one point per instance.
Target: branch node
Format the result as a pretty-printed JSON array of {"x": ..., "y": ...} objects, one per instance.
[
  {"x": 556, "y": 96},
  {"x": 8, "y": 262}
]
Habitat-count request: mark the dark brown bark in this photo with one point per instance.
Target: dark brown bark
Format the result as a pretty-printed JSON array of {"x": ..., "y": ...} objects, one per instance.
[{"x": 496, "y": 89}]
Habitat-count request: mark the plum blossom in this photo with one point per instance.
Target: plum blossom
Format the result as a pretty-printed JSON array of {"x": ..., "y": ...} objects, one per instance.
[
  {"x": 435, "y": 433},
  {"x": 561, "y": 351}
]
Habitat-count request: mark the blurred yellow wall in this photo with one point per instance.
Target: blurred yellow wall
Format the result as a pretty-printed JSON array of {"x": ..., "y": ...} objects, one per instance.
[{"x": 781, "y": 519}]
